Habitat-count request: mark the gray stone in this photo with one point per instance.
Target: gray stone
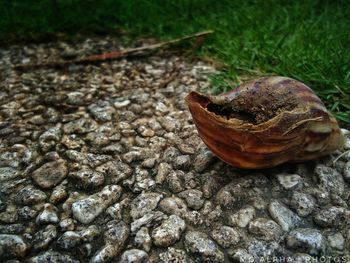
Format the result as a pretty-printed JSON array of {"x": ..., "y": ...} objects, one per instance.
[
  {"x": 240, "y": 255},
  {"x": 67, "y": 224},
  {"x": 214, "y": 216},
  {"x": 12, "y": 246},
  {"x": 121, "y": 104},
  {"x": 100, "y": 138},
  {"x": 149, "y": 163},
  {"x": 44, "y": 237},
  {"x": 52, "y": 257},
  {"x": 69, "y": 240},
  {"x": 86, "y": 250},
  {"x": 90, "y": 233},
  {"x": 173, "y": 255},
  {"x": 173, "y": 205},
  {"x": 115, "y": 237},
  {"x": 174, "y": 181},
  {"x": 306, "y": 240},
  {"x": 182, "y": 162},
  {"x": 27, "y": 213},
  {"x": 72, "y": 141},
  {"x": 190, "y": 180},
  {"x": 87, "y": 179},
  {"x": 284, "y": 216},
  {"x": 116, "y": 233},
  {"x": 116, "y": 211},
  {"x": 170, "y": 154},
  {"x": 30, "y": 196},
  {"x": 193, "y": 197},
  {"x": 346, "y": 171},
  {"x": 147, "y": 220},
  {"x": 134, "y": 256},
  {"x": 143, "y": 181},
  {"x": 162, "y": 173},
  {"x": 59, "y": 193},
  {"x": 75, "y": 98},
  {"x": 105, "y": 254},
  {"x": 226, "y": 236},
  {"x": 200, "y": 244},
  {"x": 289, "y": 181},
  {"x": 132, "y": 156},
  {"x": 3, "y": 206},
  {"x": 50, "y": 174},
  {"x": 10, "y": 215},
  {"x": 49, "y": 139},
  {"x": 242, "y": 217},
  {"x": 304, "y": 204},
  {"x": 114, "y": 148},
  {"x": 143, "y": 239},
  {"x": 101, "y": 111},
  {"x": 51, "y": 156},
  {"x": 186, "y": 148},
  {"x": 87, "y": 209},
  {"x": 8, "y": 173},
  {"x": 48, "y": 215},
  {"x": 265, "y": 229},
  {"x": 80, "y": 126},
  {"x": 210, "y": 184},
  {"x": 75, "y": 156},
  {"x": 336, "y": 241},
  {"x": 12, "y": 229},
  {"x": 330, "y": 179},
  {"x": 231, "y": 194},
  {"x": 168, "y": 123},
  {"x": 332, "y": 216},
  {"x": 145, "y": 132},
  {"x": 259, "y": 249},
  {"x": 203, "y": 160},
  {"x": 194, "y": 218},
  {"x": 13, "y": 158},
  {"x": 169, "y": 231},
  {"x": 115, "y": 170},
  {"x": 94, "y": 160},
  {"x": 144, "y": 203}
]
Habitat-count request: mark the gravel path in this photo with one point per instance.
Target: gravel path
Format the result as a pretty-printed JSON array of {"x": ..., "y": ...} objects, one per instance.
[{"x": 102, "y": 163}]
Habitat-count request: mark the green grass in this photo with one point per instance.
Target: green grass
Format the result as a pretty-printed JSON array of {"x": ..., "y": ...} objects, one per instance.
[{"x": 308, "y": 39}]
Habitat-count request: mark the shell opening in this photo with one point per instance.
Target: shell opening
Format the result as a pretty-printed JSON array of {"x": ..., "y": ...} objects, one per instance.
[
  {"x": 228, "y": 113},
  {"x": 251, "y": 112}
]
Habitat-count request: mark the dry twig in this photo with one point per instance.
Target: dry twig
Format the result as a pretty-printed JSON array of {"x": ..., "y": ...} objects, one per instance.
[{"x": 113, "y": 55}]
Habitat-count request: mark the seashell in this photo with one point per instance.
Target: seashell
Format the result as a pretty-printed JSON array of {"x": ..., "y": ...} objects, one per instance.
[{"x": 264, "y": 123}]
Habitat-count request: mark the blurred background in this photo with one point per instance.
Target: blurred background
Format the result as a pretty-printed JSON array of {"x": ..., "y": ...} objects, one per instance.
[{"x": 308, "y": 40}]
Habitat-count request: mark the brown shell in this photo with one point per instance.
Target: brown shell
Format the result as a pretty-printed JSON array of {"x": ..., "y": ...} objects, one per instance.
[{"x": 264, "y": 123}]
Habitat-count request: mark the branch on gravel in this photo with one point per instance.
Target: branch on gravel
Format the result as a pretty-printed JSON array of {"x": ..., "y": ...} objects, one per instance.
[{"x": 115, "y": 54}]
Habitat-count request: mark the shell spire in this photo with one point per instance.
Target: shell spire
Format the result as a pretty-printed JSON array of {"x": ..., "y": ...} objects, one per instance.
[{"x": 265, "y": 122}]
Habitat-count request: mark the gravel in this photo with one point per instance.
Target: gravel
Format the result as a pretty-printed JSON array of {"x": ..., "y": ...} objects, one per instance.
[
  {"x": 169, "y": 231},
  {"x": 103, "y": 163}
]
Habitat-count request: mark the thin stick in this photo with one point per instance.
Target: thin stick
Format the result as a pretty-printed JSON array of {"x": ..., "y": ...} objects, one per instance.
[
  {"x": 112, "y": 55},
  {"x": 340, "y": 156}
]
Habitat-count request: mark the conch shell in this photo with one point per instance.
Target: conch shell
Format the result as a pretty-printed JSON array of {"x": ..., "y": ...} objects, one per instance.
[{"x": 264, "y": 123}]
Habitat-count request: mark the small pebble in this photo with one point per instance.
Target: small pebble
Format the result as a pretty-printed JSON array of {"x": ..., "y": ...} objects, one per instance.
[
  {"x": 134, "y": 256},
  {"x": 86, "y": 210},
  {"x": 169, "y": 231},
  {"x": 306, "y": 240},
  {"x": 48, "y": 215}
]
